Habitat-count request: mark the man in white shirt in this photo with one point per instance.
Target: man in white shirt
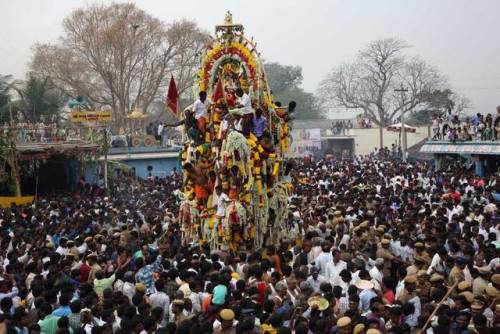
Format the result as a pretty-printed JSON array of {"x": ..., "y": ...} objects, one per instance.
[
  {"x": 159, "y": 130},
  {"x": 62, "y": 249},
  {"x": 315, "y": 279},
  {"x": 334, "y": 268},
  {"x": 245, "y": 103},
  {"x": 200, "y": 109},
  {"x": 324, "y": 258},
  {"x": 221, "y": 200},
  {"x": 438, "y": 262},
  {"x": 194, "y": 296},
  {"x": 376, "y": 271},
  {"x": 160, "y": 298}
]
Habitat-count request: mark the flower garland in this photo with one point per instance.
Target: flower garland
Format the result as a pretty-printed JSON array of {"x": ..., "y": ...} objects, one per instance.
[{"x": 236, "y": 49}]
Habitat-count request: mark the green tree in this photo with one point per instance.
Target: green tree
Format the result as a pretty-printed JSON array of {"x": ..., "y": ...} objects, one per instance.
[
  {"x": 282, "y": 77},
  {"x": 7, "y": 85},
  {"x": 285, "y": 82},
  {"x": 38, "y": 100},
  {"x": 438, "y": 102}
]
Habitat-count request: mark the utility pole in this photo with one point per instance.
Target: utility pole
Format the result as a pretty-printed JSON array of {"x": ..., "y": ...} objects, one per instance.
[
  {"x": 106, "y": 147},
  {"x": 403, "y": 90}
]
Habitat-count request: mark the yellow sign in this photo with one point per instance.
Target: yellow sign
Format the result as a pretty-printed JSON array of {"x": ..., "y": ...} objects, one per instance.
[
  {"x": 5, "y": 202},
  {"x": 91, "y": 116}
]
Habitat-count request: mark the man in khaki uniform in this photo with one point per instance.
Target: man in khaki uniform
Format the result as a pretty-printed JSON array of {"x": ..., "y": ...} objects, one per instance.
[
  {"x": 481, "y": 282},
  {"x": 418, "y": 265},
  {"x": 495, "y": 281},
  {"x": 422, "y": 253},
  {"x": 384, "y": 253},
  {"x": 409, "y": 290}
]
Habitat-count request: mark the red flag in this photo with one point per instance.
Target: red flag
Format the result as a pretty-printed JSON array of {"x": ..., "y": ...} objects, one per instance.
[
  {"x": 172, "y": 96},
  {"x": 218, "y": 92}
]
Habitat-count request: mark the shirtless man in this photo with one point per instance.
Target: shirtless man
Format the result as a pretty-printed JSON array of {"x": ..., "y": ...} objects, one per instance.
[{"x": 200, "y": 180}]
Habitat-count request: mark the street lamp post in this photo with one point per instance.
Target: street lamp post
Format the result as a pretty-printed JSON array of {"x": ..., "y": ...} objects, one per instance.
[{"x": 403, "y": 90}]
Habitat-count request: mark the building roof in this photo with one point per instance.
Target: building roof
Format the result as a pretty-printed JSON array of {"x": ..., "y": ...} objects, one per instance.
[
  {"x": 415, "y": 152},
  {"x": 35, "y": 151},
  {"x": 470, "y": 147},
  {"x": 141, "y": 156}
]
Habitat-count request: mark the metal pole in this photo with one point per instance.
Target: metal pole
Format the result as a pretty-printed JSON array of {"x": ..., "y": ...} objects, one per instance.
[
  {"x": 105, "y": 159},
  {"x": 403, "y": 90}
]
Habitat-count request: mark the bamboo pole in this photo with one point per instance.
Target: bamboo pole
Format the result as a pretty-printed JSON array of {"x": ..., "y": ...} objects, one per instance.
[{"x": 450, "y": 289}]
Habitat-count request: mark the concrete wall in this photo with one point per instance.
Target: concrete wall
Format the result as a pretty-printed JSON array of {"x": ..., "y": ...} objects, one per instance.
[
  {"x": 161, "y": 167},
  {"x": 366, "y": 140}
]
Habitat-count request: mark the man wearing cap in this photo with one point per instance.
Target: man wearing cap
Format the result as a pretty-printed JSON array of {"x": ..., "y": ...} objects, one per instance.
[
  {"x": 409, "y": 295},
  {"x": 344, "y": 325},
  {"x": 227, "y": 323},
  {"x": 366, "y": 294},
  {"x": 495, "y": 281},
  {"x": 422, "y": 253},
  {"x": 384, "y": 252},
  {"x": 418, "y": 264},
  {"x": 178, "y": 315},
  {"x": 477, "y": 307},
  {"x": 423, "y": 286},
  {"x": 481, "y": 282},
  {"x": 409, "y": 289}
]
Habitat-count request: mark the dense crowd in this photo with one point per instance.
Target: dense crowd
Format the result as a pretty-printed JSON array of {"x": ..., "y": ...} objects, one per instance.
[
  {"x": 377, "y": 246},
  {"x": 341, "y": 127},
  {"x": 478, "y": 127}
]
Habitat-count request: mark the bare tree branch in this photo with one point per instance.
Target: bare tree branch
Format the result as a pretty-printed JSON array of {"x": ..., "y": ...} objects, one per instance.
[
  {"x": 120, "y": 57},
  {"x": 368, "y": 83}
]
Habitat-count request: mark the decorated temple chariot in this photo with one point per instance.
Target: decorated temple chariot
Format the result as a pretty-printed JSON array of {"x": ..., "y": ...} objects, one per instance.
[{"x": 236, "y": 175}]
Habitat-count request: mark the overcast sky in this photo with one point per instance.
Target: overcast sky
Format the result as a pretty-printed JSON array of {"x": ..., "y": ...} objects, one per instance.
[{"x": 460, "y": 37}]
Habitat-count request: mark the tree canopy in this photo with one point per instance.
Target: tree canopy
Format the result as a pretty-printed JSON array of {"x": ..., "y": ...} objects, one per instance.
[
  {"x": 7, "y": 85},
  {"x": 39, "y": 100},
  {"x": 120, "y": 57},
  {"x": 439, "y": 102},
  {"x": 369, "y": 83},
  {"x": 285, "y": 82}
]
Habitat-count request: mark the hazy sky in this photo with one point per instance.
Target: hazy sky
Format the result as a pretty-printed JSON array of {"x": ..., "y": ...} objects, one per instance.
[{"x": 460, "y": 37}]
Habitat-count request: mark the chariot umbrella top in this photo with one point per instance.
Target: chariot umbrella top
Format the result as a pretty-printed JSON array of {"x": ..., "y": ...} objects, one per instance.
[
  {"x": 397, "y": 128},
  {"x": 137, "y": 114}
]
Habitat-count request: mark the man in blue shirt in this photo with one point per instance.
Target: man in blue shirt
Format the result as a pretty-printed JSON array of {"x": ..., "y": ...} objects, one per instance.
[
  {"x": 63, "y": 310},
  {"x": 365, "y": 295},
  {"x": 145, "y": 274},
  {"x": 259, "y": 124}
]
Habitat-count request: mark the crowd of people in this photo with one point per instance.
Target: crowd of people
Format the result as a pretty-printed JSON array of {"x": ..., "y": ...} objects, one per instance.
[
  {"x": 378, "y": 246},
  {"x": 40, "y": 132},
  {"x": 341, "y": 127},
  {"x": 364, "y": 123},
  {"x": 478, "y": 127}
]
